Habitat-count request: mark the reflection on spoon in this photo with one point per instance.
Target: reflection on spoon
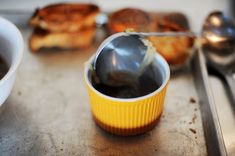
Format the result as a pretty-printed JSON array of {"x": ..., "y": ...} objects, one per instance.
[{"x": 219, "y": 48}]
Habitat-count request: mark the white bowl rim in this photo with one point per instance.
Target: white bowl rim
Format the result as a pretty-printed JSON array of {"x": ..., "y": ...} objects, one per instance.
[
  {"x": 14, "y": 65},
  {"x": 165, "y": 81}
]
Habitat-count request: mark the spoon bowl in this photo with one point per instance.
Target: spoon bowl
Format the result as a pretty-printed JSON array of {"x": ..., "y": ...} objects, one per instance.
[
  {"x": 123, "y": 57},
  {"x": 119, "y": 59},
  {"x": 219, "y": 32}
]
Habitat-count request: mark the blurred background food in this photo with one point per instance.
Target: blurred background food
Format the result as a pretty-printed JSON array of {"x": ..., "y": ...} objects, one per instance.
[
  {"x": 175, "y": 50},
  {"x": 64, "y": 25},
  {"x": 73, "y": 25},
  {"x": 133, "y": 18}
]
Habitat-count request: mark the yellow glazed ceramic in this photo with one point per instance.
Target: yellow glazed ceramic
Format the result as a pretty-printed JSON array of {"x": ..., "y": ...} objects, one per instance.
[{"x": 129, "y": 116}]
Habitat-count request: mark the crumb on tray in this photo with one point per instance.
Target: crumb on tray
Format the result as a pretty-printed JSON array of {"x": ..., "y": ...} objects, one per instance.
[
  {"x": 194, "y": 118},
  {"x": 192, "y": 100},
  {"x": 193, "y": 130}
]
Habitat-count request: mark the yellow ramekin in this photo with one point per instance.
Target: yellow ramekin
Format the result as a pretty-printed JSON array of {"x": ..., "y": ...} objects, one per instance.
[{"x": 128, "y": 116}]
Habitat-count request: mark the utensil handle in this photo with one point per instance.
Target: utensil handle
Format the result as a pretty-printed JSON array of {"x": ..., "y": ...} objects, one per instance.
[
  {"x": 228, "y": 78},
  {"x": 231, "y": 85},
  {"x": 173, "y": 34}
]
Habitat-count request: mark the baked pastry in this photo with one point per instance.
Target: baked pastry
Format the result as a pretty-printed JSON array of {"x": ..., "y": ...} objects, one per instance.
[
  {"x": 63, "y": 26},
  {"x": 175, "y": 50},
  {"x": 66, "y": 40},
  {"x": 65, "y": 17},
  {"x": 129, "y": 18},
  {"x": 171, "y": 21}
]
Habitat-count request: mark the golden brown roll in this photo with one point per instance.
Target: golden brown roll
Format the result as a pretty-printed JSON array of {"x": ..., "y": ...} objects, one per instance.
[
  {"x": 65, "y": 17},
  {"x": 64, "y": 25},
  {"x": 65, "y": 40},
  {"x": 129, "y": 18},
  {"x": 175, "y": 50}
]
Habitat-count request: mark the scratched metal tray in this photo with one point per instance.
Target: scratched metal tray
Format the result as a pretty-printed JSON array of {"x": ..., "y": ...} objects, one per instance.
[{"x": 48, "y": 112}]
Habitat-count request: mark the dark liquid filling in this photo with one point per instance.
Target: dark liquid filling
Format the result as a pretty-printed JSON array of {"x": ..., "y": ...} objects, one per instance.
[
  {"x": 3, "y": 68},
  {"x": 147, "y": 85}
]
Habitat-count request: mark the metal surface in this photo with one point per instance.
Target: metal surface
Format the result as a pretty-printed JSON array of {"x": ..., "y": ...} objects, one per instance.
[
  {"x": 219, "y": 31},
  {"x": 22, "y": 16},
  {"x": 48, "y": 113},
  {"x": 225, "y": 72},
  {"x": 210, "y": 120},
  {"x": 225, "y": 112},
  {"x": 120, "y": 60},
  {"x": 219, "y": 50},
  {"x": 163, "y": 34}
]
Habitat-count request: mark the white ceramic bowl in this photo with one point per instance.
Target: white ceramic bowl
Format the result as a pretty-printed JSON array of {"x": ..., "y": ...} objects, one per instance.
[{"x": 11, "y": 50}]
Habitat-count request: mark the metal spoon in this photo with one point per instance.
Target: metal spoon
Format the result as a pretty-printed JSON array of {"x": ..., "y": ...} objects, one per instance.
[
  {"x": 219, "y": 32},
  {"x": 119, "y": 58},
  {"x": 123, "y": 57}
]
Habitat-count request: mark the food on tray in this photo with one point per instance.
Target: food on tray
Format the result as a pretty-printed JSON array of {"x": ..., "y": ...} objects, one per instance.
[
  {"x": 65, "y": 17},
  {"x": 79, "y": 39},
  {"x": 174, "y": 49},
  {"x": 64, "y": 26},
  {"x": 126, "y": 18},
  {"x": 3, "y": 68}
]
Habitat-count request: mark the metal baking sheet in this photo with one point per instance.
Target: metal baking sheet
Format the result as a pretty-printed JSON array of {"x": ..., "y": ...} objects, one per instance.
[
  {"x": 225, "y": 111},
  {"x": 210, "y": 120},
  {"x": 48, "y": 113}
]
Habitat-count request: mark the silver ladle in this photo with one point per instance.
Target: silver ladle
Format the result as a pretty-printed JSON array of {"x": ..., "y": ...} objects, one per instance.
[
  {"x": 123, "y": 57},
  {"x": 219, "y": 47}
]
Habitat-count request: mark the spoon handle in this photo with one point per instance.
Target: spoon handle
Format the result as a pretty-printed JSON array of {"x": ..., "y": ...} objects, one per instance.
[
  {"x": 227, "y": 76},
  {"x": 231, "y": 86},
  {"x": 173, "y": 34}
]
